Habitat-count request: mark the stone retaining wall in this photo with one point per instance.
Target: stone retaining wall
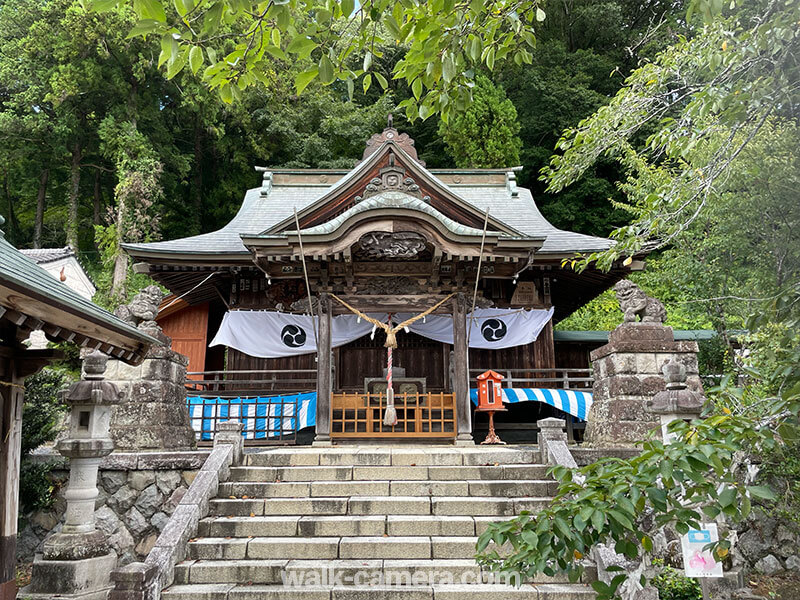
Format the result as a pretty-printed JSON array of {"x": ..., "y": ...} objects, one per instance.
[{"x": 138, "y": 493}]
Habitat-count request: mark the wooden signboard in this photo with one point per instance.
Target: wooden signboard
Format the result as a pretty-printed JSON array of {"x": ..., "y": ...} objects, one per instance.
[{"x": 525, "y": 294}]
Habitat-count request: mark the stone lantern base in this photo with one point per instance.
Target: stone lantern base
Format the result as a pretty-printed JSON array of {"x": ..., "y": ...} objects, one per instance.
[
  {"x": 86, "y": 579},
  {"x": 627, "y": 374}
]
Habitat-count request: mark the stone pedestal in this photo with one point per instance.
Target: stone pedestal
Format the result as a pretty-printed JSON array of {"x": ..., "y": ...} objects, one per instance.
[
  {"x": 627, "y": 374},
  {"x": 153, "y": 414},
  {"x": 86, "y": 579}
]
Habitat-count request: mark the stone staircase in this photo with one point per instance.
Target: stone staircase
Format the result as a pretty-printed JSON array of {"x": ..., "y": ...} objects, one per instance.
[{"x": 365, "y": 523}]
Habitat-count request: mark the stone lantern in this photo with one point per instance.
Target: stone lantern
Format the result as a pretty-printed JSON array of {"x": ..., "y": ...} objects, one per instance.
[
  {"x": 675, "y": 402},
  {"x": 77, "y": 560}
]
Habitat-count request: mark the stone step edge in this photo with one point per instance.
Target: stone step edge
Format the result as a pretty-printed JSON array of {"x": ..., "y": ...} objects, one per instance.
[
  {"x": 349, "y": 469},
  {"x": 306, "y": 488},
  {"x": 382, "y": 498},
  {"x": 366, "y": 563},
  {"x": 535, "y": 591},
  {"x": 393, "y": 457},
  {"x": 390, "y": 481}
]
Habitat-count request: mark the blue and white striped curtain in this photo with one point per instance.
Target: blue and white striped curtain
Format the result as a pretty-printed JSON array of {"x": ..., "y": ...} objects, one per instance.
[
  {"x": 273, "y": 414},
  {"x": 572, "y": 402}
]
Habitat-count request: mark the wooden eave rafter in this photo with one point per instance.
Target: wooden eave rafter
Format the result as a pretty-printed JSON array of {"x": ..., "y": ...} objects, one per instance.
[
  {"x": 28, "y": 311},
  {"x": 356, "y": 181},
  {"x": 191, "y": 259}
]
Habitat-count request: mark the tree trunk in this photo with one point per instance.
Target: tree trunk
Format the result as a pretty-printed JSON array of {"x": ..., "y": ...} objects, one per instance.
[
  {"x": 74, "y": 189},
  {"x": 120, "y": 259},
  {"x": 197, "y": 178},
  {"x": 97, "y": 199},
  {"x": 12, "y": 225},
  {"x": 41, "y": 198}
]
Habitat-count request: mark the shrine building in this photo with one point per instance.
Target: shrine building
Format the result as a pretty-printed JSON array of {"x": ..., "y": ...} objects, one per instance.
[{"x": 385, "y": 242}]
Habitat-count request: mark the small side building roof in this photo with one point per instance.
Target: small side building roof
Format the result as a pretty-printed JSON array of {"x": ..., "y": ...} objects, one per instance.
[
  {"x": 32, "y": 298},
  {"x": 601, "y": 337},
  {"x": 46, "y": 255}
]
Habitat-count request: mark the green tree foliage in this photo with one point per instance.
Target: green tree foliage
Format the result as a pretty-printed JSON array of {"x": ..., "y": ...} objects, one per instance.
[
  {"x": 41, "y": 418},
  {"x": 146, "y": 145},
  {"x": 716, "y": 102},
  {"x": 673, "y": 585},
  {"x": 486, "y": 134},
  {"x": 706, "y": 97},
  {"x": 697, "y": 476},
  {"x": 741, "y": 250},
  {"x": 445, "y": 41}
]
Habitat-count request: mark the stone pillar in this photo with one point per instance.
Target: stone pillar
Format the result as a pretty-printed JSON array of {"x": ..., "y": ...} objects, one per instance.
[
  {"x": 627, "y": 374},
  {"x": 77, "y": 561},
  {"x": 153, "y": 414},
  {"x": 677, "y": 401},
  {"x": 461, "y": 372},
  {"x": 324, "y": 379}
]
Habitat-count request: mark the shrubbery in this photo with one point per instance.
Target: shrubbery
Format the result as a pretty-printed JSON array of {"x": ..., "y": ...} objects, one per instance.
[{"x": 673, "y": 585}]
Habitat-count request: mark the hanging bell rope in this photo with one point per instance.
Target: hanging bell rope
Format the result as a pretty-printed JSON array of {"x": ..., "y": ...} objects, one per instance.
[
  {"x": 390, "y": 415},
  {"x": 391, "y": 338}
]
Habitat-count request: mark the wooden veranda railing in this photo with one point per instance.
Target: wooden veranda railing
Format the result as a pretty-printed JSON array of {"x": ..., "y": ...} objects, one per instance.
[
  {"x": 428, "y": 415},
  {"x": 265, "y": 380},
  {"x": 565, "y": 379}
]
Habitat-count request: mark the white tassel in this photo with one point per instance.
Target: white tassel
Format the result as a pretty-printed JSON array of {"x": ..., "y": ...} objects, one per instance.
[
  {"x": 390, "y": 414},
  {"x": 390, "y": 417},
  {"x": 425, "y": 319},
  {"x": 406, "y": 329},
  {"x": 359, "y": 319},
  {"x": 372, "y": 335}
]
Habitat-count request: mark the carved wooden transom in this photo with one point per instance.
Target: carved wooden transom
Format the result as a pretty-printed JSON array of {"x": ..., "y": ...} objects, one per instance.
[{"x": 398, "y": 245}]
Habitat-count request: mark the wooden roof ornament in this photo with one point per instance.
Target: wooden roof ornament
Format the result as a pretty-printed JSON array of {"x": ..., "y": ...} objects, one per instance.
[{"x": 403, "y": 141}]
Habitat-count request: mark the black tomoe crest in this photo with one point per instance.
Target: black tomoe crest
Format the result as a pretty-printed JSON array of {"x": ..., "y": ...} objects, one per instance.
[
  {"x": 293, "y": 336},
  {"x": 493, "y": 330}
]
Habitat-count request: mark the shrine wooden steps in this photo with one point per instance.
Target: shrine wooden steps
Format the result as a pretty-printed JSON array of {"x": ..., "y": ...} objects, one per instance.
[{"x": 365, "y": 523}]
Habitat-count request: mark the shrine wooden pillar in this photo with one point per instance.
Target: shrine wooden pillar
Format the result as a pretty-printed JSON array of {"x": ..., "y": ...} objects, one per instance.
[
  {"x": 324, "y": 379},
  {"x": 461, "y": 371},
  {"x": 11, "y": 398},
  {"x": 16, "y": 363}
]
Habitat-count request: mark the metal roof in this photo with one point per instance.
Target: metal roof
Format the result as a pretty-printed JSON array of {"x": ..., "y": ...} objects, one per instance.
[
  {"x": 45, "y": 255},
  {"x": 258, "y": 214},
  {"x": 264, "y": 209},
  {"x": 31, "y": 288}
]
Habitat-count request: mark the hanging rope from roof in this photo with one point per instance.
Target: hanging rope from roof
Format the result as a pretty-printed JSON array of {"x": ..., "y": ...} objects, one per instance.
[{"x": 391, "y": 338}]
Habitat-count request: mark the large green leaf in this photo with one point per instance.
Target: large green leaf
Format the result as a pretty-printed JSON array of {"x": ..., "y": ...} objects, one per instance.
[
  {"x": 150, "y": 9},
  {"x": 195, "y": 58},
  {"x": 302, "y": 80}
]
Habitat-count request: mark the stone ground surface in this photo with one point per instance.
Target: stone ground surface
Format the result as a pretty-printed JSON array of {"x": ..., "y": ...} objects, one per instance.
[{"x": 338, "y": 520}]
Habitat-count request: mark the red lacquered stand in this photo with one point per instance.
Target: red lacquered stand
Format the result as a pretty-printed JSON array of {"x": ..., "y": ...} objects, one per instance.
[{"x": 492, "y": 437}]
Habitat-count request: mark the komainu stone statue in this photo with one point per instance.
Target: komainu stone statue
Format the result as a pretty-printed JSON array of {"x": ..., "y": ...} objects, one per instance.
[
  {"x": 143, "y": 309},
  {"x": 633, "y": 301}
]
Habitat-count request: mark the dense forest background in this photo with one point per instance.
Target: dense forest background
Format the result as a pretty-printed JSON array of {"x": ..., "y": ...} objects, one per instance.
[{"x": 99, "y": 147}]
